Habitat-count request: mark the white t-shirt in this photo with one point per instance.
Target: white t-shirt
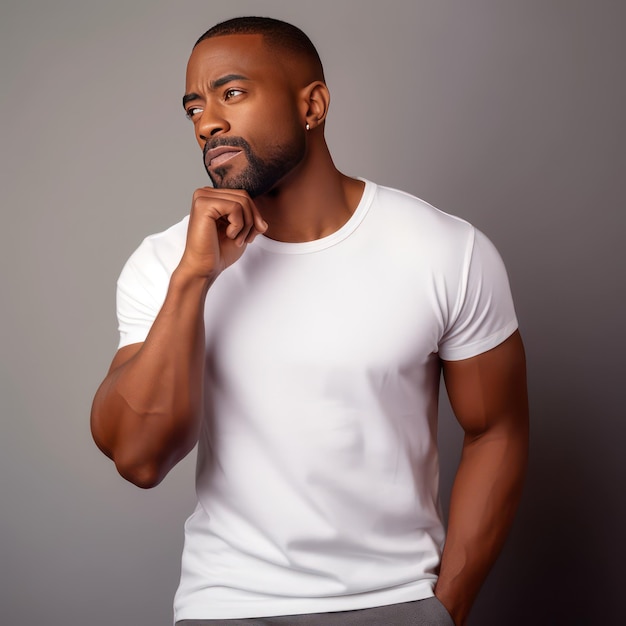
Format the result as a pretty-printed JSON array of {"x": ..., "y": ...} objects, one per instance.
[{"x": 317, "y": 474}]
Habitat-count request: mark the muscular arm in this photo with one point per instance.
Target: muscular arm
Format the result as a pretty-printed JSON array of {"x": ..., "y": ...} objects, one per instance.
[
  {"x": 146, "y": 415},
  {"x": 488, "y": 396}
]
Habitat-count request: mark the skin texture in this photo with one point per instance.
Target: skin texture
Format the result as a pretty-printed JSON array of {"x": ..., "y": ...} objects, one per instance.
[
  {"x": 488, "y": 396},
  {"x": 254, "y": 103},
  {"x": 146, "y": 414}
]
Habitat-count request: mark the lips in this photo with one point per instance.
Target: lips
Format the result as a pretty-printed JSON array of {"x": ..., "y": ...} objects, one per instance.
[{"x": 219, "y": 156}]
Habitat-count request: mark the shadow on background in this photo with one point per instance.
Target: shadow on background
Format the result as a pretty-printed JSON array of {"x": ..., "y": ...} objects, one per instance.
[{"x": 559, "y": 563}]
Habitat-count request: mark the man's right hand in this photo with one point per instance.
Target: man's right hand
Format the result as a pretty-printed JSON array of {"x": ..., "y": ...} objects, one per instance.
[
  {"x": 147, "y": 413},
  {"x": 222, "y": 222}
]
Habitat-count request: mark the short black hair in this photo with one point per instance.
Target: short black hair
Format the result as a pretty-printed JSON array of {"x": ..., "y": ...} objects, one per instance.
[{"x": 276, "y": 32}]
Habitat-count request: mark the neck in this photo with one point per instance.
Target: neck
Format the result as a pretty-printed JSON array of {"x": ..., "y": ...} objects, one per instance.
[{"x": 312, "y": 202}]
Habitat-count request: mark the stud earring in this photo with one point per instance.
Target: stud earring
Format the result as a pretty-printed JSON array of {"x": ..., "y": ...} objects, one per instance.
[{"x": 307, "y": 126}]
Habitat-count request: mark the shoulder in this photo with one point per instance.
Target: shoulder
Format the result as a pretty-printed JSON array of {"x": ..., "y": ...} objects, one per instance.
[
  {"x": 409, "y": 220},
  {"x": 156, "y": 257},
  {"x": 166, "y": 246},
  {"x": 394, "y": 203},
  {"x": 162, "y": 249}
]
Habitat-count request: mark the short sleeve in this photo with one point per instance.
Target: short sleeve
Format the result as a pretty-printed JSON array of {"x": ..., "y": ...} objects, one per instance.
[
  {"x": 139, "y": 300},
  {"x": 144, "y": 281},
  {"x": 484, "y": 315}
]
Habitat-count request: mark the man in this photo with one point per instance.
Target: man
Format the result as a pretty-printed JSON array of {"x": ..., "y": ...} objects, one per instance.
[{"x": 295, "y": 326}]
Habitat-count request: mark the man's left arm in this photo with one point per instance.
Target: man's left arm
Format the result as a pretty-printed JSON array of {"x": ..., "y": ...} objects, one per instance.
[{"x": 489, "y": 398}]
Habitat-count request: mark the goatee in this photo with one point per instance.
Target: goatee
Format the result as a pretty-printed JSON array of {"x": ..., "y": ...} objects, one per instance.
[{"x": 260, "y": 175}]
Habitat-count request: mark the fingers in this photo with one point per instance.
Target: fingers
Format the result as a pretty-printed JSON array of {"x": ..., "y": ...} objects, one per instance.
[
  {"x": 233, "y": 210},
  {"x": 221, "y": 223}
]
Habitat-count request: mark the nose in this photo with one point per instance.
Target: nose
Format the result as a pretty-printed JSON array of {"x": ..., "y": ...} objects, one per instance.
[{"x": 211, "y": 124}]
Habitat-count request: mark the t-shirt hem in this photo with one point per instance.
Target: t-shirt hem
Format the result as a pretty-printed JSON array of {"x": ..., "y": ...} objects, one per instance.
[
  {"x": 128, "y": 340},
  {"x": 467, "y": 351},
  {"x": 299, "y": 606}
]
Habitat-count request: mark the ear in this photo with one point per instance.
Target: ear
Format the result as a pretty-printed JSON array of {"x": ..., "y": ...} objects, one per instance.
[{"x": 315, "y": 100}]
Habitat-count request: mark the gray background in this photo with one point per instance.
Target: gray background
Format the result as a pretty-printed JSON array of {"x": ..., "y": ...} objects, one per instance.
[{"x": 507, "y": 113}]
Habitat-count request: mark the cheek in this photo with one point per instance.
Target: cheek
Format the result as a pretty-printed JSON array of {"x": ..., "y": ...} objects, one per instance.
[
  {"x": 281, "y": 129},
  {"x": 281, "y": 114}
]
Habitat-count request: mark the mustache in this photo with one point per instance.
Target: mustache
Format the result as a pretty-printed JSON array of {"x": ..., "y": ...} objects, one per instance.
[{"x": 220, "y": 142}]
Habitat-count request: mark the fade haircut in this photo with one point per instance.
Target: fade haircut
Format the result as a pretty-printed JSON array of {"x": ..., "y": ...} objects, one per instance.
[{"x": 276, "y": 33}]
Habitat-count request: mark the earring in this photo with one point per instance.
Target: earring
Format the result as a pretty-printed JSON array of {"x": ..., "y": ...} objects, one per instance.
[{"x": 307, "y": 126}]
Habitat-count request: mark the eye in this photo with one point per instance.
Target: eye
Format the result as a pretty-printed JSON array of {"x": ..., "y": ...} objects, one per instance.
[
  {"x": 232, "y": 93},
  {"x": 192, "y": 111}
]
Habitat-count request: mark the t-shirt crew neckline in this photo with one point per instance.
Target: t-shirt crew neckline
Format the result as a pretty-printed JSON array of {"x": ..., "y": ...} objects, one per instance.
[{"x": 283, "y": 247}]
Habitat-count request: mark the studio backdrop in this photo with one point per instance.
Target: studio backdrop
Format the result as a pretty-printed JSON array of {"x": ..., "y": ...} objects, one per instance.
[{"x": 508, "y": 113}]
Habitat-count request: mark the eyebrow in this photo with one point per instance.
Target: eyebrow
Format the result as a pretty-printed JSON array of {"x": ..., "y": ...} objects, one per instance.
[
  {"x": 188, "y": 97},
  {"x": 214, "y": 84}
]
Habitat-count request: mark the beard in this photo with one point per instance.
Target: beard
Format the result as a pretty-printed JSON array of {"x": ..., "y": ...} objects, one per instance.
[{"x": 260, "y": 175}]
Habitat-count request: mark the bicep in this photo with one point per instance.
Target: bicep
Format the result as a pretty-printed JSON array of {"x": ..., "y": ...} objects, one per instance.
[
  {"x": 488, "y": 392},
  {"x": 123, "y": 355},
  {"x": 102, "y": 424}
]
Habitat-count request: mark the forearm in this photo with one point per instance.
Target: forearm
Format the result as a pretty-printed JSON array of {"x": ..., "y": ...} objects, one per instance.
[
  {"x": 146, "y": 414},
  {"x": 484, "y": 499}
]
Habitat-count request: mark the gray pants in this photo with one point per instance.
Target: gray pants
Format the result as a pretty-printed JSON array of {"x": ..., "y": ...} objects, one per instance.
[{"x": 428, "y": 612}]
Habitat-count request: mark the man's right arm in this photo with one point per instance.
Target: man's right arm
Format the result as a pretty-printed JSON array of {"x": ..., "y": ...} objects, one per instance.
[{"x": 146, "y": 414}]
